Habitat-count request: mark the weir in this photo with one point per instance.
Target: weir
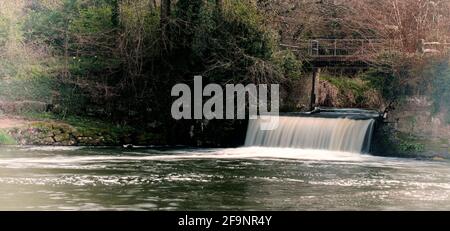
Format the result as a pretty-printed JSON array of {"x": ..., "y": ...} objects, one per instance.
[{"x": 346, "y": 130}]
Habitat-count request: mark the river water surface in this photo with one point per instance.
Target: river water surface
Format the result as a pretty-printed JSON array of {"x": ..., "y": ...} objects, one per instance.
[{"x": 67, "y": 178}]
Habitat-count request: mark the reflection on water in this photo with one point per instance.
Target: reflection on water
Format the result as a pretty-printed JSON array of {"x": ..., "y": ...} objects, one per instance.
[{"x": 42, "y": 178}]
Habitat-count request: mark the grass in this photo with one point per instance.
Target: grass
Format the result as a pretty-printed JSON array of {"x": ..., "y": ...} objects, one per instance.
[
  {"x": 6, "y": 139},
  {"x": 356, "y": 85}
]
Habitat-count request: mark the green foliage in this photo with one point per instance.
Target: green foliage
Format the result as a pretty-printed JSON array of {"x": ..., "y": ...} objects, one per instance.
[
  {"x": 290, "y": 65},
  {"x": 6, "y": 139},
  {"x": 92, "y": 21},
  {"x": 411, "y": 147},
  {"x": 385, "y": 81},
  {"x": 397, "y": 75},
  {"x": 88, "y": 54},
  {"x": 37, "y": 88},
  {"x": 247, "y": 23},
  {"x": 80, "y": 35},
  {"x": 45, "y": 26},
  {"x": 26, "y": 72},
  {"x": 353, "y": 89},
  {"x": 354, "y": 84},
  {"x": 233, "y": 47}
]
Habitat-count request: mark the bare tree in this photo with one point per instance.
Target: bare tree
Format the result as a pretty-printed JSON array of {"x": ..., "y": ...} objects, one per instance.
[{"x": 407, "y": 21}]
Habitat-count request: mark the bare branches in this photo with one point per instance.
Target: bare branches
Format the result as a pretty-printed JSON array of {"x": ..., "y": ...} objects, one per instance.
[{"x": 407, "y": 21}]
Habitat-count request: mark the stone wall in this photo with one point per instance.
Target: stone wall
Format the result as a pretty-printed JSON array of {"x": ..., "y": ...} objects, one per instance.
[{"x": 413, "y": 120}]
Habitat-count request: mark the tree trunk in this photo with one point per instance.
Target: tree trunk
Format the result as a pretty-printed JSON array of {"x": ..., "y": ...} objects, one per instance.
[
  {"x": 152, "y": 5},
  {"x": 219, "y": 6},
  {"x": 165, "y": 14},
  {"x": 165, "y": 11},
  {"x": 115, "y": 13}
]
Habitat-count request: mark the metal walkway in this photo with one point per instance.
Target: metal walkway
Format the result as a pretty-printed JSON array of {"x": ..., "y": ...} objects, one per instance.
[{"x": 354, "y": 49}]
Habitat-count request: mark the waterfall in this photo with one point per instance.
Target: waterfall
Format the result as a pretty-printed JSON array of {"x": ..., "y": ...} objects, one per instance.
[{"x": 334, "y": 134}]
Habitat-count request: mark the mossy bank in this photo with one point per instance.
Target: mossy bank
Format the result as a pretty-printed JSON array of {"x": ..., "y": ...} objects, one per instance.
[{"x": 46, "y": 129}]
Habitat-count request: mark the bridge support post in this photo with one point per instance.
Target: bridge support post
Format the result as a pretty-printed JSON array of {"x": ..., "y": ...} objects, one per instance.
[{"x": 314, "y": 88}]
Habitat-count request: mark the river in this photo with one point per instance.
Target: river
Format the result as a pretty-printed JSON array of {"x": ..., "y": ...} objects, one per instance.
[{"x": 71, "y": 178}]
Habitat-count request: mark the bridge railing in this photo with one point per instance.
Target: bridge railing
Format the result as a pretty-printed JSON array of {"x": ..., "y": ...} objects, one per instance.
[
  {"x": 434, "y": 47},
  {"x": 329, "y": 48},
  {"x": 358, "y": 48}
]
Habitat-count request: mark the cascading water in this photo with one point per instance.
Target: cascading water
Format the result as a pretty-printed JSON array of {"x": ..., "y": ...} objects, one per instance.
[{"x": 333, "y": 134}]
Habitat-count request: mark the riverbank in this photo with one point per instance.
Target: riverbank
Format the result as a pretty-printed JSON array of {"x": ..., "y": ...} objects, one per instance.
[{"x": 46, "y": 129}]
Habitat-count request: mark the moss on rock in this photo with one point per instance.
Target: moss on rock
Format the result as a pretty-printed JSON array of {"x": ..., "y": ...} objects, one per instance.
[{"x": 48, "y": 130}]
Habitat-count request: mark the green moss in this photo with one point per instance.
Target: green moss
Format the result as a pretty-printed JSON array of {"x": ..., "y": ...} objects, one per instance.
[
  {"x": 83, "y": 124},
  {"x": 410, "y": 144},
  {"x": 6, "y": 139},
  {"x": 406, "y": 146},
  {"x": 88, "y": 131},
  {"x": 52, "y": 129}
]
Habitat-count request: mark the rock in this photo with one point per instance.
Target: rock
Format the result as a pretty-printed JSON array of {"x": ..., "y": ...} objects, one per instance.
[
  {"x": 62, "y": 137},
  {"x": 48, "y": 132},
  {"x": 46, "y": 141},
  {"x": 128, "y": 146},
  {"x": 57, "y": 109},
  {"x": 57, "y": 132}
]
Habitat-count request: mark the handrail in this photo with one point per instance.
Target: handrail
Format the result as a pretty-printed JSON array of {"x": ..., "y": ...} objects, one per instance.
[{"x": 329, "y": 48}]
